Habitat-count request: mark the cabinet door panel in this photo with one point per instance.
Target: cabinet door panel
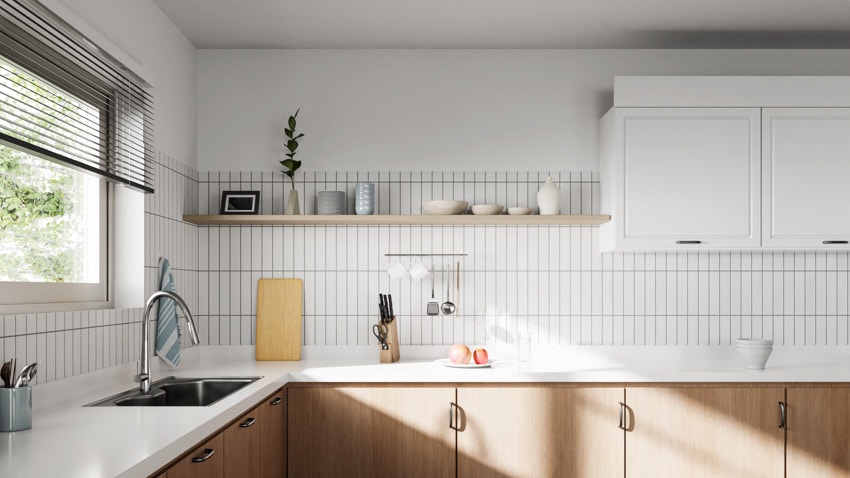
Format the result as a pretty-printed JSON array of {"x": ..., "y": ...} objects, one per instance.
[
  {"x": 210, "y": 468},
  {"x": 818, "y": 432},
  {"x": 806, "y": 172},
  {"x": 242, "y": 445},
  {"x": 367, "y": 432},
  {"x": 705, "y": 432},
  {"x": 684, "y": 174},
  {"x": 273, "y": 436},
  {"x": 539, "y": 432}
]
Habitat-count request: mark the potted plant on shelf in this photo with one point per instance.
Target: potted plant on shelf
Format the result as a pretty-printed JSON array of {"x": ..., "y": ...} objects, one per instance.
[{"x": 291, "y": 164}]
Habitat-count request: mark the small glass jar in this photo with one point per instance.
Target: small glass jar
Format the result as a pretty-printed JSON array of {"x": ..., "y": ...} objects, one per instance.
[{"x": 364, "y": 198}]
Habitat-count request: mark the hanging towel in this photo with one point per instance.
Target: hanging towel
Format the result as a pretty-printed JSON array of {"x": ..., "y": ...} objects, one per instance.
[{"x": 167, "y": 324}]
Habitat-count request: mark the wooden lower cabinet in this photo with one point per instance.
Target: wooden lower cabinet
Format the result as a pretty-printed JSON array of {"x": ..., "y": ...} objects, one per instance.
[
  {"x": 242, "y": 445},
  {"x": 253, "y": 446},
  {"x": 705, "y": 432},
  {"x": 818, "y": 432},
  {"x": 540, "y": 432},
  {"x": 370, "y": 432},
  {"x": 206, "y": 461},
  {"x": 273, "y": 436}
]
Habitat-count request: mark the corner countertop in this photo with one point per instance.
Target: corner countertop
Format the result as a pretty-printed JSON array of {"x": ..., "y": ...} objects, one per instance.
[{"x": 70, "y": 440}]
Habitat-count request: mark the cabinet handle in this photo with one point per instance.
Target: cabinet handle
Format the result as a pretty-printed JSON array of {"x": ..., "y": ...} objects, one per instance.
[
  {"x": 247, "y": 423},
  {"x": 452, "y": 414},
  {"x": 622, "y": 424},
  {"x": 276, "y": 401},
  {"x": 781, "y": 415},
  {"x": 835, "y": 242},
  {"x": 688, "y": 242},
  {"x": 208, "y": 453}
]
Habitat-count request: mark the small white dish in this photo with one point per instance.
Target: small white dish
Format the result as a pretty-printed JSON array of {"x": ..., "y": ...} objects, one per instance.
[
  {"x": 445, "y": 362},
  {"x": 443, "y": 207},
  {"x": 487, "y": 209},
  {"x": 519, "y": 211}
]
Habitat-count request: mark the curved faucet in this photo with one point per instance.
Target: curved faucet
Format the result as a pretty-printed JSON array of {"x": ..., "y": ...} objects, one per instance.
[{"x": 145, "y": 372}]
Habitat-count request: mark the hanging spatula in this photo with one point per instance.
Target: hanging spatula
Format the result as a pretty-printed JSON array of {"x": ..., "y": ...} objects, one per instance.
[{"x": 433, "y": 305}]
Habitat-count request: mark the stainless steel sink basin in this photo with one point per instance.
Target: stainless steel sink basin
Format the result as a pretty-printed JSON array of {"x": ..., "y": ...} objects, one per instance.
[{"x": 178, "y": 392}]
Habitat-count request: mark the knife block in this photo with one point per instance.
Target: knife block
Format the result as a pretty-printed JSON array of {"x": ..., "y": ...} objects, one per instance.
[{"x": 392, "y": 354}]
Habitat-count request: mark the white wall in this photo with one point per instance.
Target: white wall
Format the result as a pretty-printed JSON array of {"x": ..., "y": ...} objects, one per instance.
[
  {"x": 166, "y": 58},
  {"x": 437, "y": 110}
]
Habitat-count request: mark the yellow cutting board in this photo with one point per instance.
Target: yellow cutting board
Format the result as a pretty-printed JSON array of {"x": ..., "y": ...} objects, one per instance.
[{"x": 279, "y": 319}]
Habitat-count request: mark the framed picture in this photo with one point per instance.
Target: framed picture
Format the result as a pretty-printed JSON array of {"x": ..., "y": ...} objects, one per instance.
[{"x": 240, "y": 202}]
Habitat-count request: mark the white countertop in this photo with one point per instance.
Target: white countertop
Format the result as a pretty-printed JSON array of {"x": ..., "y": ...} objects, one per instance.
[{"x": 70, "y": 440}]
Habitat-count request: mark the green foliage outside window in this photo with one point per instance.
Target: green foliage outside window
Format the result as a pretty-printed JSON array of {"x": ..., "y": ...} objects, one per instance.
[{"x": 41, "y": 228}]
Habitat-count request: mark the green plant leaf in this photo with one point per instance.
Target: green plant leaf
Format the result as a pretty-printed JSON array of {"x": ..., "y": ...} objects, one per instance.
[
  {"x": 301, "y": 135},
  {"x": 292, "y": 145},
  {"x": 292, "y": 123},
  {"x": 288, "y": 132}
]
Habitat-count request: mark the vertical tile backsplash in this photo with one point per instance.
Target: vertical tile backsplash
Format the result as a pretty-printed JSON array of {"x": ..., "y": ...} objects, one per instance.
[{"x": 549, "y": 280}]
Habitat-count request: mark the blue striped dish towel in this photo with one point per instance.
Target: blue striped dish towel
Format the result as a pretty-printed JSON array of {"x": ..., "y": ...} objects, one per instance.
[{"x": 167, "y": 324}]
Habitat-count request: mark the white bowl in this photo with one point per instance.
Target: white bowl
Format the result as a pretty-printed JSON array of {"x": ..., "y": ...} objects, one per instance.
[
  {"x": 754, "y": 352},
  {"x": 487, "y": 209},
  {"x": 753, "y": 343},
  {"x": 444, "y": 207},
  {"x": 519, "y": 211}
]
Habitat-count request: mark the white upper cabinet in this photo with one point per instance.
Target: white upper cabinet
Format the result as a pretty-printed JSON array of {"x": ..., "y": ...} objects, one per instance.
[
  {"x": 806, "y": 178},
  {"x": 691, "y": 163},
  {"x": 685, "y": 178}
]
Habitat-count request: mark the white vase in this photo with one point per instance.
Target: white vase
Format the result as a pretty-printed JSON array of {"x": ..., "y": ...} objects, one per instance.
[
  {"x": 549, "y": 198},
  {"x": 292, "y": 208}
]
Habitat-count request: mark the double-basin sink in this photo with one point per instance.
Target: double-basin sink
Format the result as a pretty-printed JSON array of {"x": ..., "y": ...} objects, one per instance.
[{"x": 178, "y": 392}]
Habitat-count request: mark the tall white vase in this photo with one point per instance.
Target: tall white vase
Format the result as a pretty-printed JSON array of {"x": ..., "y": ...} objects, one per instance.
[
  {"x": 292, "y": 207},
  {"x": 549, "y": 198}
]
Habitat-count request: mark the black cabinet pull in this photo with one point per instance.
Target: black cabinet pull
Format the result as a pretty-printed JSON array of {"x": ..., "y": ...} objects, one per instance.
[
  {"x": 688, "y": 242},
  {"x": 247, "y": 423},
  {"x": 835, "y": 242},
  {"x": 208, "y": 453},
  {"x": 276, "y": 401}
]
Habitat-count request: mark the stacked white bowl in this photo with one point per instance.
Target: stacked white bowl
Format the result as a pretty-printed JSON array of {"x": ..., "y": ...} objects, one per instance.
[
  {"x": 754, "y": 352},
  {"x": 331, "y": 202}
]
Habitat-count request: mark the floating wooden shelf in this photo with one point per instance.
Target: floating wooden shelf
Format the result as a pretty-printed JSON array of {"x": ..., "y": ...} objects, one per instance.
[{"x": 399, "y": 220}]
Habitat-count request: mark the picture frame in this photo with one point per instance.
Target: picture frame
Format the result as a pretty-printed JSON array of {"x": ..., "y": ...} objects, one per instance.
[{"x": 240, "y": 202}]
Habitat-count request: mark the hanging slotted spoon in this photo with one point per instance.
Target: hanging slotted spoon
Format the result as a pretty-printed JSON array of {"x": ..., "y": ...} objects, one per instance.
[
  {"x": 448, "y": 306},
  {"x": 433, "y": 305}
]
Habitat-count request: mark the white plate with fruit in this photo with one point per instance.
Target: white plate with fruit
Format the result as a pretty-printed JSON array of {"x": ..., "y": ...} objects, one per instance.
[{"x": 461, "y": 357}]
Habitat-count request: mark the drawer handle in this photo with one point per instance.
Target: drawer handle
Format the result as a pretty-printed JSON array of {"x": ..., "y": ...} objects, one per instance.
[
  {"x": 622, "y": 424},
  {"x": 835, "y": 242},
  {"x": 247, "y": 423},
  {"x": 276, "y": 401},
  {"x": 688, "y": 242},
  {"x": 208, "y": 453},
  {"x": 782, "y": 415},
  {"x": 452, "y": 415}
]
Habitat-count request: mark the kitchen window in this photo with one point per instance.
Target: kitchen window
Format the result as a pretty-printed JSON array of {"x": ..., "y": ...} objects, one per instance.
[{"x": 72, "y": 121}]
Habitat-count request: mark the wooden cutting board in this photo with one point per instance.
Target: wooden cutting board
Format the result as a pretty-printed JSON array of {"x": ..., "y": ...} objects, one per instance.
[{"x": 279, "y": 319}]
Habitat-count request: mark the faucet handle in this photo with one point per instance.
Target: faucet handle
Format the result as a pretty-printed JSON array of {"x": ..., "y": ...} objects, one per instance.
[{"x": 140, "y": 376}]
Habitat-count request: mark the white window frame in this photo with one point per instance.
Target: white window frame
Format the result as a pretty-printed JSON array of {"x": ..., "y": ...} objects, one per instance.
[{"x": 32, "y": 297}]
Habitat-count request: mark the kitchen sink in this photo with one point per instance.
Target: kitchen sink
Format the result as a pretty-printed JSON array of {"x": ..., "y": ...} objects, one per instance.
[{"x": 178, "y": 392}]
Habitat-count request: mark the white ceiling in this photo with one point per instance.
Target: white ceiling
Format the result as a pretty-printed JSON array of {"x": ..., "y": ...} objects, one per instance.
[{"x": 512, "y": 23}]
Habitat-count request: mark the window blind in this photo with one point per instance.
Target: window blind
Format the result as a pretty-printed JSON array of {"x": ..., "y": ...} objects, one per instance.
[{"x": 66, "y": 100}]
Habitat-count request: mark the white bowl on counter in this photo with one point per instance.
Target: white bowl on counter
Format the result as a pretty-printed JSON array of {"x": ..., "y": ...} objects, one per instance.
[
  {"x": 754, "y": 352},
  {"x": 444, "y": 207},
  {"x": 487, "y": 209}
]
